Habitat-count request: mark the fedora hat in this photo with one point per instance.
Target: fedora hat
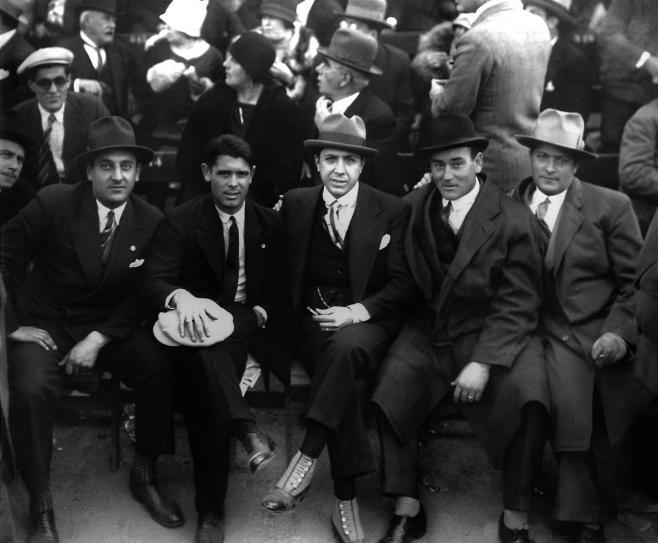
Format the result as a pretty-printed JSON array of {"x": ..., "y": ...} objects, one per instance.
[
  {"x": 106, "y": 6},
  {"x": 339, "y": 132},
  {"x": 371, "y": 12},
  {"x": 166, "y": 329},
  {"x": 9, "y": 121},
  {"x": 561, "y": 129},
  {"x": 353, "y": 49},
  {"x": 559, "y": 8},
  {"x": 112, "y": 133},
  {"x": 447, "y": 131},
  {"x": 13, "y": 8}
]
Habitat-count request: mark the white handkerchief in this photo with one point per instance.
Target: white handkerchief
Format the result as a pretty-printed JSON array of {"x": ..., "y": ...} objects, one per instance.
[
  {"x": 550, "y": 87},
  {"x": 4, "y": 74},
  {"x": 136, "y": 263},
  {"x": 386, "y": 239}
]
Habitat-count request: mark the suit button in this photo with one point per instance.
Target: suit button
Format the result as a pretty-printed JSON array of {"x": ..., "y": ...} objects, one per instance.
[{"x": 565, "y": 338}]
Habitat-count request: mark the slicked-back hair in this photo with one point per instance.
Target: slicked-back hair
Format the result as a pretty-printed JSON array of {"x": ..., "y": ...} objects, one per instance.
[{"x": 228, "y": 145}]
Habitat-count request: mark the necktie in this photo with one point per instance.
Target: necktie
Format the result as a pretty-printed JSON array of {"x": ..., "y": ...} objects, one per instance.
[
  {"x": 232, "y": 264},
  {"x": 445, "y": 216},
  {"x": 99, "y": 61},
  {"x": 332, "y": 219},
  {"x": 542, "y": 208},
  {"x": 46, "y": 164},
  {"x": 107, "y": 235}
]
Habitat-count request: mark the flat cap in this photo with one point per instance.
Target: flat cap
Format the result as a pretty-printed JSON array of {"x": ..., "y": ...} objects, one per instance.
[{"x": 46, "y": 56}]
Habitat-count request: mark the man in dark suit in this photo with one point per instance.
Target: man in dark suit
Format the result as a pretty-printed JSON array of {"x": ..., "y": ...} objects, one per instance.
[
  {"x": 568, "y": 82},
  {"x": 56, "y": 120},
  {"x": 15, "y": 192},
  {"x": 394, "y": 84},
  {"x": 476, "y": 258},
  {"x": 77, "y": 310},
  {"x": 344, "y": 82},
  {"x": 102, "y": 66},
  {"x": 14, "y": 49},
  {"x": 347, "y": 286},
  {"x": 218, "y": 248},
  {"x": 593, "y": 241}
]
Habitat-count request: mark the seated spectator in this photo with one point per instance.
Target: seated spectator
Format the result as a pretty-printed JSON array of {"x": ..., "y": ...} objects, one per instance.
[
  {"x": 14, "y": 49},
  {"x": 569, "y": 75},
  {"x": 55, "y": 120},
  {"x": 15, "y": 191},
  {"x": 638, "y": 162},
  {"x": 249, "y": 104},
  {"x": 177, "y": 68}
]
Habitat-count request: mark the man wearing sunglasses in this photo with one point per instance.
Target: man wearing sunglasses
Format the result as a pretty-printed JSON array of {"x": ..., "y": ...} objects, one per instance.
[{"x": 56, "y": 120}]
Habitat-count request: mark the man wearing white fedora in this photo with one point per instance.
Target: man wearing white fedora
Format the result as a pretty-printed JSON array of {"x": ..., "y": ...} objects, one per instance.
[
  {"x": 593, "y": 243},
  {"x": 342, "y": 303}
]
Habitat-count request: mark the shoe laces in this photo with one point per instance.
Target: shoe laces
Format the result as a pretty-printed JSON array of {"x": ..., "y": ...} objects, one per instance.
[
  {"x": 300, "y": 470},
  {"x": 347, "y": 518}
]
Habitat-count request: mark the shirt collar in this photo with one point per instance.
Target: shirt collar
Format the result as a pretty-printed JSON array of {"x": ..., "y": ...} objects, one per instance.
[
  {"x": 554, "y": 41},
  {"x": 557, "y": 199},
  {"x": 59, "y": 114},
  {"x": 340, "y": 105},
  {"x": 6, "y": 36},
  {"x": 491, "y": 3},
  {"x": 88, "y": 40},
  {"x": 239, "y": 216},
  {"x": 346, "y": 200},
  {"x": 464, "y": 202},
  {"x": 103, "y": 211}
]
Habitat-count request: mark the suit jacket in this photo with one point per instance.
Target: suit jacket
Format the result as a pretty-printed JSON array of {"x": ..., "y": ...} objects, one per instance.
[
  {"x": 498, "y": 80},
  {"x": 568, "y": 82},
  {"x": 79, "y": 112},
  {"x": 378, "y": 274},
  {"x": 12, "y": 89},
  {"x": 59, "y": 231},
  {"x": 122, "y": 63},
  {"x": 484, "y": 309}
]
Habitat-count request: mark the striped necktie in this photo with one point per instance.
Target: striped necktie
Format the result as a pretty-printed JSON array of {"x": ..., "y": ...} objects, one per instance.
[
  {"x": 331, "y": 220},
  {"x": 107, "y": 235},
  {"x": 46, "y": 165}
]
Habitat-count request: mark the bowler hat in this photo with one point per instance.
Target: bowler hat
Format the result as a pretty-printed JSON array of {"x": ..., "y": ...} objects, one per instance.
[
  {"x": 166, "y": 328},
  {"x": 448, "y": 131},
  {"x": 106, "y": 6},
  {"x": 9, "y": 121},
  {"x": 46, "y": 56},
  {"x": 11, "y": 8},
  {"x": 561, "y": 129},
  {"x": 112, "y": 133},
  {"x": 285, "y": 10},
  {"x": 559, "y": 8},
  {"x": 339, "y": 132},
  {"x": 371, "y": 12},
  {"x": 354, "y": 49}
]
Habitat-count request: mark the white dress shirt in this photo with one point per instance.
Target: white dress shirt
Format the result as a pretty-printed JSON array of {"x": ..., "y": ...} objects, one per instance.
[
  {"x": 554, "y": 206},
  {"x": 339, "y": 106},
  {"x": 56, "y": 136},
  {"x": 92, "y": 50},
  {"x": 103, "y": 211},
  {"x": 460, "y": 207}
]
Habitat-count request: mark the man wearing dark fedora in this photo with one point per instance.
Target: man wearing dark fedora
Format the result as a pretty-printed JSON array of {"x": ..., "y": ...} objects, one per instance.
[
  {"x": 569, "y": 74},
  {"x": 593, "y": 242},
  {"x": 102, "y": 65},
  {"x": 14, "y": 49},
  {"x": 344, "y": 77},
  {"x": 394, "y": 84},
  {"x": 77, "y": 310},
  {"x": 15, "y": 191},
  {"x": 347, "y": 287},
  {"x": 475, "y": 255}
]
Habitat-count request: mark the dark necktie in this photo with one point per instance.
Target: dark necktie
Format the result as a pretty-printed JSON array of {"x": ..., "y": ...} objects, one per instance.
[
  {"x": 99, "y": 60},
  {"x": 232, "y": 264},
  {"x": 46, "y": 164},
  {"x": 107, "y": 235},
  {"x": 331, "y": 219},
  {"x": 445, "y": 215},
  {"x": 542, "y": 208}
]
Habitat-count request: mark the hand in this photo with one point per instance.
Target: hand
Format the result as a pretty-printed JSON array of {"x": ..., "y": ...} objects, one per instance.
[
  {"x": 425, "y": 180},
  {"x": 608, "y": 349},
  {"x": 437, "y": 88},
  {"x": 470, "y": 382},
  {"x": 333, "y": 318},
  {"x": 321, "y": 110},
  {"x": 85, "y": 352},
  {"x": 90, "y": 86},
  {"x": 194, "y": 315},
  {"x": 282, "y": 72},
  {"x": 31, "y": 334}
]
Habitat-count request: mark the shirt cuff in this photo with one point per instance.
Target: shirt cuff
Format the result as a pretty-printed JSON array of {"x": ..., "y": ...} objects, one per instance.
[
  {"x": 643, "y": 59},
  {"x": 76, "y": 85},
  {"x": 258, "y": 309},
  {"x": 359, "y": 313},
  {"x": 170, "y": 297}
]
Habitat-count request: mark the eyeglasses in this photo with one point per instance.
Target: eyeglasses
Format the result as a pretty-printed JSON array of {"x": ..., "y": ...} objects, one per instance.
[{"x": 45, "y": 83}]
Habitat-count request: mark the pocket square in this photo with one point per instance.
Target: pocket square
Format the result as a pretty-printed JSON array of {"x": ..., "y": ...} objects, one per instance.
[
  {"x": 136, "y": 263},
  {"x": 550, "y": 87},
  {"x": 386, "y": 239}
]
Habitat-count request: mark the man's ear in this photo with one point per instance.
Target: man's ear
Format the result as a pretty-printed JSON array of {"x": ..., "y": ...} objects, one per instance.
[
  {"x": 317, "y": 162},
  {"x": 205, "y": 170},
  {"x": 138, "y": 172},
  {"x": 479, "y": 161}
]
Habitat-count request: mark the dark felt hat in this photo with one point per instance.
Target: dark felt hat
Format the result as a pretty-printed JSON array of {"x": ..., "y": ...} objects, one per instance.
[
  {"x": 371, "y": 12},
  {"x": 11, "y": 129},
  {"x": 109, "y": 134},
  {"x": 353, "y": 49},
  {"x": 448, "y": 131},
  {"x": 337, "y": 131},
  {"x": 254, "y": 53},
  {"x": 285, "y": 10}
]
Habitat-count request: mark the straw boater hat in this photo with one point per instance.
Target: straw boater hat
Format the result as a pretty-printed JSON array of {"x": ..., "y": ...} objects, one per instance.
[
  {"x": 559, "y": 8},
  {"x": 112, "y": 133},
  {"x": 448, "y": 131},
  {"x": 166, "y": 329},
  {"x": 339, "y": 132},
  {"x": 47, "y": 56},
  {"x": 561, "y": 129},
  {"x": 371, "y": 12},
  {"x": 353, "y": 49}
]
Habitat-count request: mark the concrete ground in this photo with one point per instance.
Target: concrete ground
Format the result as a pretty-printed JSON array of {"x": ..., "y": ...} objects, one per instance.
[{"x": 461, "y": 492}]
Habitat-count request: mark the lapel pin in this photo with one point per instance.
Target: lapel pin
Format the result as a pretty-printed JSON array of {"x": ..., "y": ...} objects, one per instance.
[{"x": 132, "y": 248}]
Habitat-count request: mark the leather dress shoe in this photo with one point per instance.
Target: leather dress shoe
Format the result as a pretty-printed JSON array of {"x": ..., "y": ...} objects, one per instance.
[
  {"x": 293, "y": 485},
  {"x": 510, "y": 535},
  {"x": 163, "y": 510},
  {"x": 585, "y": 534},
  {"x": 210, "y": 529},
  {"x": 43, "y": 528},
  {"x": 346, "y": 521},
  {"x": 404, "y": 529},
  {"x": 260, "y": 449}
]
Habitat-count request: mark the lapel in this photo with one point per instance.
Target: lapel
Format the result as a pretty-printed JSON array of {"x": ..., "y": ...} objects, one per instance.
[
  {"x": 34, "y": 123},
  {"x": 116, "y": 69},
  {"x": 71, "y": 119},
  {"x": 210, "y": 236},
  {"x": 300, "y": 227},
  {"x": 359, "y": 105},
  {"x": 253, "y": 249},
  {"x": 362, "y": 242},
  {"x": 427, "y": 243},
  {"x": 567, "y": 224},
  {"x": 81, "y": 53},
  {"x": 478, "y": 227},
  {"x": 555, "y": 61},
  {"x": 85, "y": 233}
]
